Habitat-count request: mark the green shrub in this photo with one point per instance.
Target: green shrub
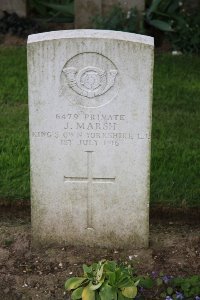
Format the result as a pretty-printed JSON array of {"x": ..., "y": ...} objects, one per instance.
[
  {"x": 182, "y": 29},
  {"x": 119, "y": 20},
  {"x": 102, "y": 281},
  {"x": 162, "y": 13},
  {"x": 189, "y": 287},
  {"x": 54, "y": 10},
  {"x": 108, "y": 281},
  {"x": 162, "y": 17},
  {"x": 186, "y": 35}
]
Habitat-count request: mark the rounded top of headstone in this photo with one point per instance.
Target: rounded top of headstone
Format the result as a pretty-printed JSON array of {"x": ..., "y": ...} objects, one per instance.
[{"x": 91, "y": 33}]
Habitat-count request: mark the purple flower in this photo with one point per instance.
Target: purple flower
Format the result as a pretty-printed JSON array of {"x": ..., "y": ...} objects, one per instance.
[
  {"x": 168, "y": 298},
  {"x": 154, "y": 274},
  {"x": 166, "y": 279},
  {"x": 197, "y": 298},
  {"x": 179, "y": 296},
  {"x": 141, "y": 289}
]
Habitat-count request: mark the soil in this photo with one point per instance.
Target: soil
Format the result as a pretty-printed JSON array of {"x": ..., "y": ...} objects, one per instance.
[{"x": 27, "y": 273}]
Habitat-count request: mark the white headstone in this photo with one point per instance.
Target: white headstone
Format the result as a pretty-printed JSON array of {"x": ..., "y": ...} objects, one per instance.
[{"x": 90, "y": 122}]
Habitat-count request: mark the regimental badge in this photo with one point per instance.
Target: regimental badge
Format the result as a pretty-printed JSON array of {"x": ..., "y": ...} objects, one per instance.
[{"x": 90, "y": 81}]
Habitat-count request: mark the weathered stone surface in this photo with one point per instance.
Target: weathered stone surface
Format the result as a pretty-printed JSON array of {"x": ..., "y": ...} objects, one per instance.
[
  {"x": 17, "y": 6},
  {"x": 90, "y": 124}
]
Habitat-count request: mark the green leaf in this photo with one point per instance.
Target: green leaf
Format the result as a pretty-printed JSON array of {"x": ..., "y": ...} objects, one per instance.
[
  {"x": 124, "y": 282},
  {"x": 147, "y": 282},
  {"x": 74, "y": 282},
  {"x": 195, "y": 280},
  {"x": 88, "y": 294},
  {"x": 54, "y": 11},
  {"x": 65, "y": 9},
  {"x": 118, "y": 274},
  {"x": 161, "y": 25},
  {"x": 136, "y": 283},
  {"x": 99, "y": 273},
  {"x": 97, "y": 297},
  {"x": 94, "y": 287},
  {"x": 41, "y": 10},
  {"x": 87, "y": 269},
  {"x": 94, "y": 266},
  {"x": 159, "y": 282},
  {"x": 163, "y": 295},
  {"x": 110, "y": 266},
  {"x": 169, "y": 291},
  {"x": 154, "y": 6},
  {"x": 112, "y": 278},
  {"x": 108, "y": 292},
  {"x": 77, "y": 294},
  {"x": 174, "y": 6},
  {"x": 121, "y": 297},
  {"x": 68, "y": 8},
  {"x": 130, "y": 292}
]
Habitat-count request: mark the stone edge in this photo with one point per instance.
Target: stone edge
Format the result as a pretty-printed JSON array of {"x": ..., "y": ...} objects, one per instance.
[{"x": 90, "y": 33}]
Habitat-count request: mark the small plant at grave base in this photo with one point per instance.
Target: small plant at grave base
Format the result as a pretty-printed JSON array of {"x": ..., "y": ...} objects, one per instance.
[
  {"x": 189, "y": 288},
  {"x": 172, "y": 288},
  {"x": 108, "y": 281},
  {"x": 102, "y": 281}
]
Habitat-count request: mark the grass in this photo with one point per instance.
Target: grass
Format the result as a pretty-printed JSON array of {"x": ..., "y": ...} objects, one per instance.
[
  {"x": 14, "y": 147},
  {"x": 175, "y": 169}
]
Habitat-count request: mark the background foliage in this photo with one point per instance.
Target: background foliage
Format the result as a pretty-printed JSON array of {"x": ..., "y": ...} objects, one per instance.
[
  {"x": 162, "y": 19},
  {"x": 54, "y": 10}
]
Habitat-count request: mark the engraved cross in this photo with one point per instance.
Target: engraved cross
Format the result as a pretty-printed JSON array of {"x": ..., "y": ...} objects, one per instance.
[{"x": 90, "y": 180}]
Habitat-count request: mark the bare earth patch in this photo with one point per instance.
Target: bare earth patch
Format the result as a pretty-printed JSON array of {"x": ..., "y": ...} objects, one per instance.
[{"x": 26, "y": 273}]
